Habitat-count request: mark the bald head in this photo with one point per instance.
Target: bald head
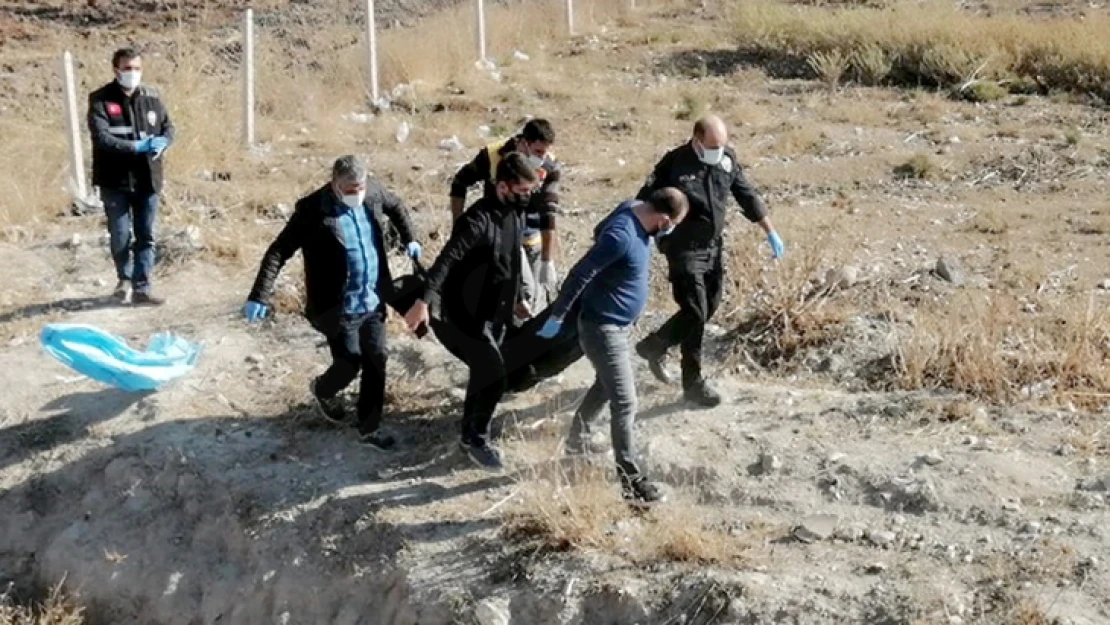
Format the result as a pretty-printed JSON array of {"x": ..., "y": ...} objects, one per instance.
[{"x": 711, "y": 132}]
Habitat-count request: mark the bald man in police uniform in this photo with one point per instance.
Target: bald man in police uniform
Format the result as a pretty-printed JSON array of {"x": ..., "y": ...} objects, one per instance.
[{"x": 707, "y": 171}]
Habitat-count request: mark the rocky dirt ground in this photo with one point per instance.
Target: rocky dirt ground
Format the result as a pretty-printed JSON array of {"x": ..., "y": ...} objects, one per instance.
[{"x": 820, "y": 492}]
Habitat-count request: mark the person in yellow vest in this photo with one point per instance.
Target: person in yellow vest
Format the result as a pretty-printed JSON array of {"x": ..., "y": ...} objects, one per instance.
[{"x": 539, "y": 237}]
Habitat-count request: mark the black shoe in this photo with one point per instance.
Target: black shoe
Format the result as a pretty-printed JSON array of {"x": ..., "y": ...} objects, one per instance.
[
  {"x": 640, "y": 491},
  {"x": 483, "y": 455},
  {"x": 703, "y": 395},
  {"x": 655, "y": 363},
  {"x": 144, "y": 298},
  {"x": 330, "y": 408},
  {"x": 378, "y": 439}
]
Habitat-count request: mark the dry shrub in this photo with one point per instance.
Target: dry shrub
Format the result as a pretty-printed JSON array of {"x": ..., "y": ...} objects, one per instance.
[
  {"x": 938, "y": 44},
  {"x": 787, "y": 310},
  {"x": 990, "y": 221},
  {"x": 829, "y": 66},
  {"x": 581, "y": 509},
  {"x": 871, "y": 64},
  {"x": 58, "y": 609},
  {"x": 919, "y": 167},
  {"x": 984, "y": 347}
]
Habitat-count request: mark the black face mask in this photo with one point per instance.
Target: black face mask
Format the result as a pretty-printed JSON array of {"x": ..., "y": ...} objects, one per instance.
[{"x": 518, "y": 201}]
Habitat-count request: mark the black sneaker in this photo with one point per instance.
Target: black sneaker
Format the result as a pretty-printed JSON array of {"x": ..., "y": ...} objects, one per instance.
[
  {"x": 655, "y": 363},
  {"x": 331, "y": 408},
  {"x": 144, "y": 298},
  {"x": 641, "y": 491},
  {"x": 483, "y": 455},
  {"x": 378, "y": 439},
  {"x": 703, "y": 395}
]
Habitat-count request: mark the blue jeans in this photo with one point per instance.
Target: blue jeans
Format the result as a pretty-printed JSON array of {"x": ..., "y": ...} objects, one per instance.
[{"x": 133, "y": 256}]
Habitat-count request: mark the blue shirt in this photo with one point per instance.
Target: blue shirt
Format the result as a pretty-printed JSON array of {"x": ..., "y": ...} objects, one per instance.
[
  {"x": 360, "y": 297},
  {"x": 612, "y": 279}
]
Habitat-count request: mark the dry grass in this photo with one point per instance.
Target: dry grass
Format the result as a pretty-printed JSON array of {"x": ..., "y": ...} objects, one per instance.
[
  {"x": 579, "y": 509},
  {"x": 986, "y": 346},
  {"x": 57, "y": 609},
  {"x": 937, "y": 43}
]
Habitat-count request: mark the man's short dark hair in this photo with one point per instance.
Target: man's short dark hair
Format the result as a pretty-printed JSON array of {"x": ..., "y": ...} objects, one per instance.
[
  {"x": 538, "y": 130},
  {"x": 669, "y": 201},
  {"x": 124, "y": 54},
  {"x": 513, "y": 168}
]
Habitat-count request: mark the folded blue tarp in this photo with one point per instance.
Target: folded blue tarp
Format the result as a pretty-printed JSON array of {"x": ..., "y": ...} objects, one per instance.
[{"x": 106, "y": 358}]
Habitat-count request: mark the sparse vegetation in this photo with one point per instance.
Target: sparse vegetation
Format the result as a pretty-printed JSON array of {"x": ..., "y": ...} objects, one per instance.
[
  {"x": 57, "y": 609},
  {"x": 872, "y": 64},
  {"x": 982, "y": 91},
  {"x": 938, "y": 44},
  {"x": 829, "y": 66},
  {"x": 920, "y": 167}
]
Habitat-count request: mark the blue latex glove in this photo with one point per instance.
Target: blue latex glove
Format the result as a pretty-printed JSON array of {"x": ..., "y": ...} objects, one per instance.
[
  {"x": 550, "y": 328},
  {"x": 414, "y": 250},
  {"x": 159, "y": 145},
  {"x": 255, "y": 311},
  {"x": 145, "y": 146},
  {"x": 777, "y": 247}
]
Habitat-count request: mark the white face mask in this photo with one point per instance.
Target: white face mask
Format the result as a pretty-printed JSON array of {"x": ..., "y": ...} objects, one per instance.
[
  {"x": 130, "y": 79},
  {"x": 712, "y": 156},
  {"x": 353, "y": 200},
  {"x": 535, "y": 162}
]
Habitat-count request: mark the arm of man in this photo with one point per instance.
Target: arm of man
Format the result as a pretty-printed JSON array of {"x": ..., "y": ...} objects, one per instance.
[
  {"x": 99, "y": 129},
  {"x": 657, "y": 179},
  {"x": 608, "y": 248},
  {"x": 398, "y": 214},
  {"x": 474, "y": 172},
  {"x": 168, "y": 130},
  {"x": 465, "y": 234},
  {"x": 549, "y": 209},
  {"x": 280, "y": 251},
  {"x": 747, "y": 197}
]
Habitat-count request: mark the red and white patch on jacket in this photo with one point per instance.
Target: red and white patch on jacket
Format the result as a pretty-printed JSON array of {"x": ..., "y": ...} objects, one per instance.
[
  {"x": 541, "y": 173},
  {"x": 114, "y": 109}
]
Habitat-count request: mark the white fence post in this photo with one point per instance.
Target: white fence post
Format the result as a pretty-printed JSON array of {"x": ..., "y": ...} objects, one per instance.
[
  {"x": 372, "y": 44},
  {"x": 570, "y": 17},
  {"x": 248, "y": 78},
  {"x": 76, "y": 160},
  {"x": 480, "y": 10}
]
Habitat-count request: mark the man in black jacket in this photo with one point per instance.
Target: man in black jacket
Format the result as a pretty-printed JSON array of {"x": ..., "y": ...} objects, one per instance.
[
  {"x": 130, "y": 131},
  {"x": 706, "y": 170},
  {"x": 539, "y": 237},
  {"x": 472, "y": 292},
  {"x": 340, "y": 229}
]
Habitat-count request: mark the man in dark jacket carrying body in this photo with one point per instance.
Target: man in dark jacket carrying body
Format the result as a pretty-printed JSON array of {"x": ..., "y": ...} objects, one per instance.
[
  {"x": 340, "y": 229},
  {"x": 130, "y": 131},
  {"x": 707, "y": 172},
  {"x": 472, "y": 292}
]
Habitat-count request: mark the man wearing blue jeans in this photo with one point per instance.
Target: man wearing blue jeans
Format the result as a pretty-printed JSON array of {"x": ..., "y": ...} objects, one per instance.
[
  {"x": 612, "y": 282},
  {"x": 131, "y": 131}
]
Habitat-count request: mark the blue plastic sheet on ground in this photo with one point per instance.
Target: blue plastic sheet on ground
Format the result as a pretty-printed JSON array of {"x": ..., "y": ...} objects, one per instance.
[{"x": 106, "y": 358}]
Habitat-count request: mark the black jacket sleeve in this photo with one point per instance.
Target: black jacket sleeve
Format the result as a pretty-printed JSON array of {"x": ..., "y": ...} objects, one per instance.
[
  {"x": 397, "y": 213},
  {"x": 168, "y": 130},
  {"x": 746, "y": 195},
  {"x": 99, "y": 125},
  {"x": 280, "y": 251},
  {"x": 474, "y": 172},
  {"x": 657, "y": 179},
  {"x": 467, "y": 232}
]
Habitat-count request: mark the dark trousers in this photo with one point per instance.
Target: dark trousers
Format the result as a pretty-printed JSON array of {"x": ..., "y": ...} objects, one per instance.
[
  {"x": 606, "y": 346},
  {"x": 133, "y": 255},
  {"x": 480, "y": 349},
  {"x": 697, "y": 278},
  {"x": 359, "y": 344}
]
